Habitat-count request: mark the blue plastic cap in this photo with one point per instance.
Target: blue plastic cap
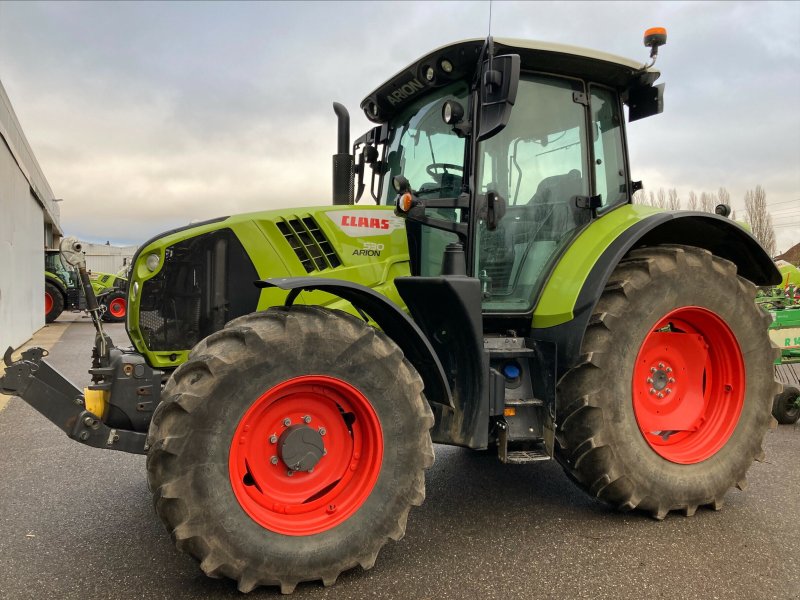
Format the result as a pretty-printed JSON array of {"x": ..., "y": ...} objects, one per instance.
[{"x": 511, "y": 371}]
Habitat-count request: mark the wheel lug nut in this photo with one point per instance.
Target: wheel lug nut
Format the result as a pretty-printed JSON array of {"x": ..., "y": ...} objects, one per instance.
[
  {"x": 667, "y": 391},
  {"x": 289, "y": 473},
  {"x": 652, "y": 390},
  {"x": 660, "y": 365},
  {"x": 287, "y": 422},
  {"x": 660, "y": 395},
  {"x": 274, "y": 460},
  {"x": 273, "y": 439},
  {"x": 306, "y": 419},
  {"x": 649, "y": 380},
  {"x": 671, "y": 380},
  {"x": 652, "y": 369},
  {"x": 669, "y": 369},
  {"x": 322, "y": 431}
]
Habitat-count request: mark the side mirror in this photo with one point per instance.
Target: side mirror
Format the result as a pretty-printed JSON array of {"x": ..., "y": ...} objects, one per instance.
[
  {"x": 645, "y": 101},
  {"x": 499, "y": 83}
]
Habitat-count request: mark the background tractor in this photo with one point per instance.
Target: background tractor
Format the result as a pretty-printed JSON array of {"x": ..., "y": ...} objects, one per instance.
[
  {"x": 111, "y": 290},
  {"x": 61, "y": 286},
  {"x": 502, "y": 294}
]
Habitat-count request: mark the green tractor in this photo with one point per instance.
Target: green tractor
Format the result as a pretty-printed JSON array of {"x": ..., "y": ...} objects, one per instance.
[
  {"x": 502, "y": 293},
  {"x": 111, "y": 290},
  {"x": 61, "y": 286}
]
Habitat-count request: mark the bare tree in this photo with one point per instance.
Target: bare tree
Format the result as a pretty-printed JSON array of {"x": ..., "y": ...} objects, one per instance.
[
  {"x": 759, "y": 219},
  {"x": 673, "y": 202},
  {"x": 707, "y": 202},
  {"x": 661, "y": 198},
  {"x": 651, "y": 198},
  {"x": 692, "y": 201}
]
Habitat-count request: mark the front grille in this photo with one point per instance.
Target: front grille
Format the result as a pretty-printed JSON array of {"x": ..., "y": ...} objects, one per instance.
[
  {"x": 309, "y": 243},
  {"x": 205, "y": 281}
]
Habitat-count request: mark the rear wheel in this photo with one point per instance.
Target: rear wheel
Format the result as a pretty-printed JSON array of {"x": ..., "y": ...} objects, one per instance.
[
  {"x": 786, "y": 406},
  {"x": 289, "y": 447},
  {"x": 53, "y": 302},
  {"x": 670, "y": 405},
  {"x": 116, "y": 305}
]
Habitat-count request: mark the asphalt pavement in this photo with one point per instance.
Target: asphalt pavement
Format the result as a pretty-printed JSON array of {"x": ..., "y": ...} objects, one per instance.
[{"x": 78, "y": 523}]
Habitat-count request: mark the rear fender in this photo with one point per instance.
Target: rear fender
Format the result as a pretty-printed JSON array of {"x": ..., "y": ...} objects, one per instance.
[{"x": 582, "y": 290}]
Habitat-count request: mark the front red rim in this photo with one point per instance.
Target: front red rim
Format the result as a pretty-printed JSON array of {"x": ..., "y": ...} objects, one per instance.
[
  {"x": 117, "y": 307},
  {"x": 48, "y": 303},
  {"x": 688, "y": 385},
  {"x": 301, "y": 502}
]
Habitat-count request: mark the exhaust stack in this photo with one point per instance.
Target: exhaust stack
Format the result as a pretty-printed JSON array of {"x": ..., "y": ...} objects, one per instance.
[{"x": 343, "y": 164}]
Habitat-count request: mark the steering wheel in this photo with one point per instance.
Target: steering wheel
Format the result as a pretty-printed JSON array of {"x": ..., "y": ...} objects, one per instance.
[{"x": 433, "y": 168}]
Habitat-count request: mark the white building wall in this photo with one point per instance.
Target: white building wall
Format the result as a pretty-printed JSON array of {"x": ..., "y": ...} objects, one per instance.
[
  {"x": 104, "y": 258},
  {"x": 21, "y": 256},
  {"x": 29, "y": 222}
]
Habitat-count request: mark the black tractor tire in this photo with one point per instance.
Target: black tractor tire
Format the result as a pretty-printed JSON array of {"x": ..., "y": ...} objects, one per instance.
[
  {"x": 116, "y": 306},
  {"x": 785, "y": 408},
  {"x": 212, "y": 396},
  {"x": 599, "y": 440},
  {"x": 56, "y": 302}
]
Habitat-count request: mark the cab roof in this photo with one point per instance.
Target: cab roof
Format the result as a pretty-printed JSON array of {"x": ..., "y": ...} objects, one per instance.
[{"x": 411, "y": 82}]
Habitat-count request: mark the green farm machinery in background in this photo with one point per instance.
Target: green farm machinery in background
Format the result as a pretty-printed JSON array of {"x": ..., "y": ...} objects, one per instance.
[
  {"x": 497, "y": 289},
  {"x": 63, "y": 290},
  {"x": 783, "y": 304}
]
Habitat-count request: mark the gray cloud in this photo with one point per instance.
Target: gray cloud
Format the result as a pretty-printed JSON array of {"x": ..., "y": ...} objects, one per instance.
[{"x": 147, "y": 115}]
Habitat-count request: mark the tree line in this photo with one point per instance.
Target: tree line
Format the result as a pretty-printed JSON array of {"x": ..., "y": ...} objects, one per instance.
[{"x": 756, "y": 214}]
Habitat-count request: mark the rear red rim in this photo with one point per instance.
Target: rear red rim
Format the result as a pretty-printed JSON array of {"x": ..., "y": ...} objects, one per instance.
[
  {"x": 48, "y": 303},
  {"x": 688, "y": 385},
  {"x": 304, "y": 501},
  {"x": 117, "y": 307}
]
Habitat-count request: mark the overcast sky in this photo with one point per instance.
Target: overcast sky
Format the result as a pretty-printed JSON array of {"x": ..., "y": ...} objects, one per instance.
[{"x": 145, "y": 116}]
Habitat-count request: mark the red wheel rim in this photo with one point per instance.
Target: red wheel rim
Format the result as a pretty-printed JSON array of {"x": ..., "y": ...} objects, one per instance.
[
  {"x": 306, "y": 502},
  {"x": 117, "y": 307},
  {"x": 48, "y": 303},
  {"x": 688, "y": 385}
]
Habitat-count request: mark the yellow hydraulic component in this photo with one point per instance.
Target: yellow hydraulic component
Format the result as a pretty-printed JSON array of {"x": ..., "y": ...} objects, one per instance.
[{"x": 95, "y": 401}]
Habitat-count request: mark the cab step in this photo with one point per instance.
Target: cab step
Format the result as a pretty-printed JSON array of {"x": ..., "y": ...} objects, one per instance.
[{"x": 522, "y": 457}]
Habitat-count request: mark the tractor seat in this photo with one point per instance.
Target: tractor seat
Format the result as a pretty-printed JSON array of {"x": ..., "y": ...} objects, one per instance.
[{"x": 552, "y": 205}]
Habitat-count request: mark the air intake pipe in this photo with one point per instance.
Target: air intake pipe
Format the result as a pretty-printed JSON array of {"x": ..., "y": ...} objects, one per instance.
[{"x": 343, "y": 163}]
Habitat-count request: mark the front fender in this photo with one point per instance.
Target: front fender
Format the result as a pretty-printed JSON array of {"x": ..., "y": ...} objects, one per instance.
[{"x": 389, "y": 317}]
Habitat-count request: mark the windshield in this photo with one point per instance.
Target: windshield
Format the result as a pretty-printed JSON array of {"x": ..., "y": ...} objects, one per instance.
[{"x": 425, "y": 150}]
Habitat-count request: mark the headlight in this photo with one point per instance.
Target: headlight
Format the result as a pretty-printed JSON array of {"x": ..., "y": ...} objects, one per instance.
[{"x": 151, "y": 262}]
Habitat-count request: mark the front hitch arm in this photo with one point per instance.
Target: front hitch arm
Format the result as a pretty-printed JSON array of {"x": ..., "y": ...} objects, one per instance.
[{"x": 54, "y": 396}]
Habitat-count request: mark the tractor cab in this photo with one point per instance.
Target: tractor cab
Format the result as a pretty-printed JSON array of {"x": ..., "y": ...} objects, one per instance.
[
  {"x": 54, "y": 263},
  {"x": 507, "y": 147}
]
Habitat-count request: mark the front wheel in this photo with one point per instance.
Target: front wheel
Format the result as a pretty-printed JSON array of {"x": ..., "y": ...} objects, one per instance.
[
  {"x": 116, "y": 304},
  {"x": 289, "y": 447},
  {"x": 670, "y": 404}
]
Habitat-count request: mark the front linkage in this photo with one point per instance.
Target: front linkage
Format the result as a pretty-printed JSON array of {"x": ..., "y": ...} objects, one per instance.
[{"x": 114, "y": 411}]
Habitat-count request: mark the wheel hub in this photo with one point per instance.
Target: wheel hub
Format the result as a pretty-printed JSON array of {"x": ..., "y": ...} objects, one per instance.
[
  {"x": 300, "y": 448},
  {"x": 660, "y": 379}
]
